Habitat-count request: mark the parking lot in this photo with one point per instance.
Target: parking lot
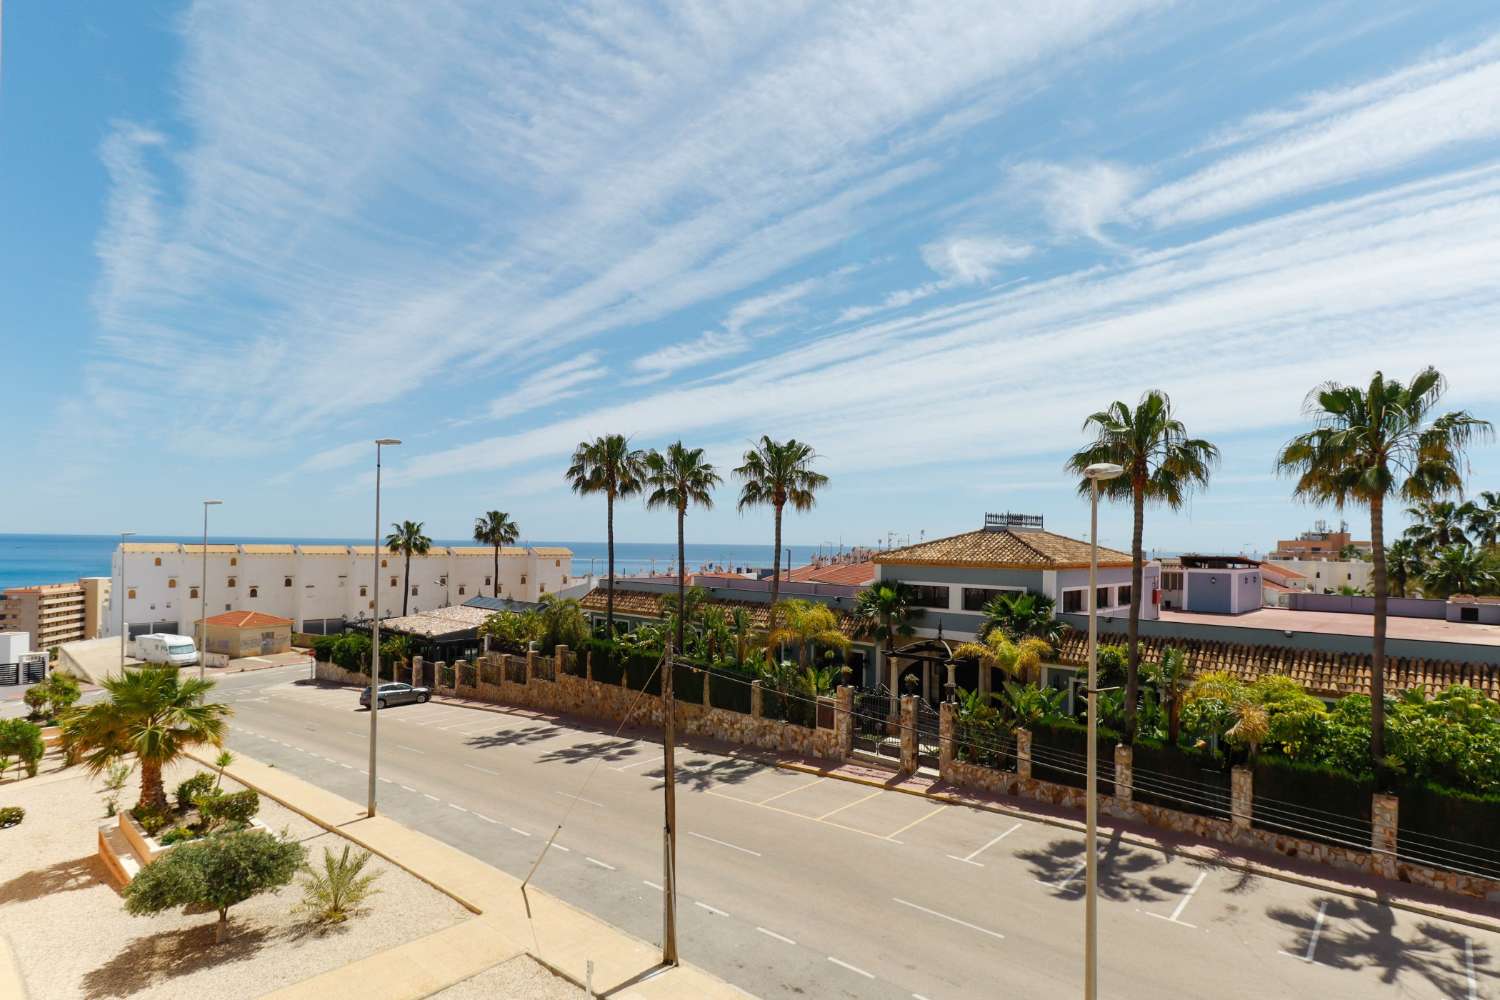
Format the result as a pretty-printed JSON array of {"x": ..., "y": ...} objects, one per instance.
[{"x": 788, "y": 878}]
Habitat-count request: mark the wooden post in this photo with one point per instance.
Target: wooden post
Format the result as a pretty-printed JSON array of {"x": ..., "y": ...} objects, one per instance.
[{"x": 669, "y": 831}]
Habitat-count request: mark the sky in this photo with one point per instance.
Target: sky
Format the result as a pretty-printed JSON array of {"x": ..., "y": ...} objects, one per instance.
[{"x": 240, "y": 241}]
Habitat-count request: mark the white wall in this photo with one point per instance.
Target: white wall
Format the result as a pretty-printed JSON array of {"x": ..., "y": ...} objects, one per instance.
[{"x": 1325, "y": 575}]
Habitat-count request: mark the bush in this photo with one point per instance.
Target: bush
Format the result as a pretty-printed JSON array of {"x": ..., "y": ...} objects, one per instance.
[
  {"x": 189, "y": 791},
  {"x": 62, "y": 692},
  {"x": 218, "y": 872},
  {"x": 334, "y": 894},
  {"x": 153, "y": 821},
  {"x": 1181, "y": 778},
  {"x": 1059, "y": 754},
  {"x": 232, "y": 809},
  {"x": 641, "y": 673},
  {"x": 1312, "y": 801},
  {"x": 11, "y": 815},
  {"x": 687, "y": 684},
  {"x": 730, "y": 689},
  {"x": 1446, "y": 828},
  {"x": 323, "y": 646},
  {"x": 22, "y": 739},
  {"x": 36, "y": 699},
  {"x": 176, "y": 835}
]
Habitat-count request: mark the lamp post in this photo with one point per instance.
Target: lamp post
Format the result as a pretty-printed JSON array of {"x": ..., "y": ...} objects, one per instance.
[
  {"x": 1096, "y": 473},
  {"x": 123, "y": 592},
  {"x": 375, "y": 628},
  {"x": 203, "y": 594}
]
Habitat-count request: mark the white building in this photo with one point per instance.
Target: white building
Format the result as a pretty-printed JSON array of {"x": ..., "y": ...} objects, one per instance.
[
  {"x": 1326, "y": 576},
  {"x": 317, "y": 586}
]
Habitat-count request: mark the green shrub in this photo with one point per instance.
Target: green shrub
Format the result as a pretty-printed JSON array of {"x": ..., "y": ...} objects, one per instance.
[
  {"x": 233, "y": 809},
  {"x": 322, "y": 647},
  {"x": 335, "y": 893},
  {"x": 730, "y": 689},
  {"x": 176, "y": 835},
  {"x": 642, "y": 674},
  {"x": 1446, "y": 828},
  {"x": 11, "y": 815},
  {"x": 22, "y": 739},
  {"x": 217, "y": 872},
  {"x": 1181, "y": 778},
  {"x": 36, "y": 699},
  {"x": 62, "y": 692},
  {"x": 1059, "y": 751},
  {"x": 1312, "y": 801},
  {"x": 687, "y": 684},
  {"x": 153, "y": 821},
  {"x": 190, "y": 790}
]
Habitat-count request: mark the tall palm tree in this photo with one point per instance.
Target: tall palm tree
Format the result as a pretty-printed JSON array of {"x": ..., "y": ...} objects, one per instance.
[
  {"x": 608, "y": 465},
  {"x": 1484, "y": 519},
  {"x": 1405, "y": 564},
  {"x": 151, "y": 713},
  {"x": 679, "y": 478},
  {"x": 407, "y": 539},
  {"x": 1023, "y": 614},
  {"x": 1437, "y": 524},
  {"x": 1162, "y": 465},
  {"x": 1459, "y": 569},
  {"x": 1371, "y": 443},
  {"x": 882, "y": 611},
  {"x": 807, "y": 625},
  {"x": 495, "y": 528},
  {"x": 775, "y": 474}
]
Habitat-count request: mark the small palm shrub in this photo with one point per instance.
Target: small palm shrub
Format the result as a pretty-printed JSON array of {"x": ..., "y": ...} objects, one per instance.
[
  {"x": 11, "y": 815},
  {"x": 334, "y": 893},
  {"x": 192, "y": 789}
]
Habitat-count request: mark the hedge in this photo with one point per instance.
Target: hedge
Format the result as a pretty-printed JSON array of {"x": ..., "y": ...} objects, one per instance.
[
  {"x": 729, "y": 690},
  {"x": 687, "y": 684},
  {"x": 641, "y": 673},
  {"x": 1059, "y": 751},
  {"x": 1311, "y": 801},
  {"x": 1181, "y": 778},
  {"x": 1447, "y": 828}
]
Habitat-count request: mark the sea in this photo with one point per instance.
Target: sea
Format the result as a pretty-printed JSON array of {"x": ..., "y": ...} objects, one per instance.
[{"x": 27, "y": 560}]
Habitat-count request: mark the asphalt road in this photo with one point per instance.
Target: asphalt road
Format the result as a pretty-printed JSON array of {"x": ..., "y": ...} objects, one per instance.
[{"x": 796, "y": 886}]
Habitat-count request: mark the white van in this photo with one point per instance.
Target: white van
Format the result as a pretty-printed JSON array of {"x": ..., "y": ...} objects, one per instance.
[{"x": 163, "y": 647}]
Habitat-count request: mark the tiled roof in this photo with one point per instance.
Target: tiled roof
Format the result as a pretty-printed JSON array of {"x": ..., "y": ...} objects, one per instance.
[
  {"x": 267, "y": 550},
  {"x": 1286, "y": 573},
  {"x": 842, "y": 574},
  {"x": 552, "y": 550},
  {"x": 646, "y": 604},
  {"x": 438, "y": 622},
  {"x": 506, "y": 551},
  {"x": 1323, "y": 673},
  {"x": 214, "y": 549},
  {"x": 151, "y": 546},
  {"x": 1002, "y": 550},
  {"x": 323, "y": 550},
  {"x": 248, "y": 619}
]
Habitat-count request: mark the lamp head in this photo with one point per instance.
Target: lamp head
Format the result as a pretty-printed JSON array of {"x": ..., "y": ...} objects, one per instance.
[
  {"x": 126, "y": 534},
  {"x": 212, "y": 503},
  {"x": 1102, "y": 471},
  {"x": 387, "y": 441}
]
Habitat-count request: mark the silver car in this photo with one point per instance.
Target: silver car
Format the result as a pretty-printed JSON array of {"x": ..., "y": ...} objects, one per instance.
[{"x": 396, "y": 694}]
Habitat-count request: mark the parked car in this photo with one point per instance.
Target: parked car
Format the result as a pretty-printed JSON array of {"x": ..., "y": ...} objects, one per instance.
[{"x": 396, "y": 694}]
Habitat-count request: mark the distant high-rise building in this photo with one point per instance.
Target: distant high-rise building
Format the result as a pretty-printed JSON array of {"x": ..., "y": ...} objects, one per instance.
[
  {"x": 1320, "y": 543},
  {"x": 55, "y": 613}
]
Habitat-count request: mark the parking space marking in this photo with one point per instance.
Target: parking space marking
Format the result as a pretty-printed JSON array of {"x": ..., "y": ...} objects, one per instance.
[
  {"x": 1469, "y": 968},
  {"x": 773, "y": 798},
  {"x": 653, "y": 885},
  {"x": 968, "y": 859},
  {"x": 919, "y": 819},
  {"x": 403, "y": 746},
  {"x": 649, "y": 760},
  {"x": 962, "y": 923},
  {"x": 476, "y": 767},
  {"x": 846, "y": 805},
  {"x": 454, "y": 805},
  {"x": 852, "y": 968},
  {"x": 723, "y": 843},
  {"x": 779, "y": 937},
  {"x": 710, "y": 909},
  {"x": 1187, "y": 897},
  {"x": 1071, "y": 876},
  {"x": 579, "y": 798},
  {"x": 1312, "y": 942},
  {"x": 810, "y": 819}
]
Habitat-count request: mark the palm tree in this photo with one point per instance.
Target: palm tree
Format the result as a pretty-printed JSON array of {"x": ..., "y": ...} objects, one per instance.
[
  {"x": 1021, "y": 658},
  {"x": 1437, "y": 524},
  {"x": 776, "y": 473},
  {"x": 679, "y": 478},
  {"x": 807, "y": 625},
  {"x": 1171, "y": 677},
  {"x": 1162, "y": 465},
  {"x": 1459, "y": 569},
  {"x": 607, "y": 465},
  {"x": 1023, "y": 614},
  {"x": 884, "y": 610},
  {"x": 152, "y": 714},
  {"x": 495, "y": 528},
  {"x": 1484, "y": 519},
  {"x": 1404, "y": 564},
  {"x": 1366, "y": 445},
  {"x": 407, "y": 538}
]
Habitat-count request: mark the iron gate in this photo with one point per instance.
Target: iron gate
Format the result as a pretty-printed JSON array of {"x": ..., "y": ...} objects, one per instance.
[
  {"x": 876, "y": 727},
  {"x": 928, "y": 727}
]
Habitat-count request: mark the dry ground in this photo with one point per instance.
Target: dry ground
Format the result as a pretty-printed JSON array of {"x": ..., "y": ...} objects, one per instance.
[
  {"x": 520, "y": 978},
  {"x": 69, "y": 930}
]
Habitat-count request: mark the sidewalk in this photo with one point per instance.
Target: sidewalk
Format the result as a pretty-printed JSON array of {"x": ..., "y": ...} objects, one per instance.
[{"x": 557, "y": 934}]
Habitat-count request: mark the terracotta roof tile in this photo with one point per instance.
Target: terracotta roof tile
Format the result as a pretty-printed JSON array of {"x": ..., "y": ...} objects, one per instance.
[
  {"x": 248, "y": 619},
  {"x": 1002, "y": 550},
  {"x": 841, "y": 574},
  {"x": 646, "y": 604}
]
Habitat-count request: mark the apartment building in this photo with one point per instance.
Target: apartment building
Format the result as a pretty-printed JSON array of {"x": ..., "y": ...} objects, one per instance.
[
  {"x": 319, "y": 587},
  {"x": 52, "y": 613},
  {"x": 1320, "y": 543}
]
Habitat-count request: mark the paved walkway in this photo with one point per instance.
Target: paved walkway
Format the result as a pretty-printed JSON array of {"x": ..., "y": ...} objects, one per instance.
[{"x": 559, "y": 935}]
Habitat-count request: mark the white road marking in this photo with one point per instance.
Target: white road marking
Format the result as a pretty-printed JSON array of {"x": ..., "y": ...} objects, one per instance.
[
  {"x": 558, "y": 847},
  {"x": 852, "y": 968},
  {"x": 402, "y": 746},
  {"x": 458, "y": 807},
  {"x": 918, "y": 996},
  {"x": 1187, "y": 897},
  {"x": 353, "y": 733},
  {"x": 773, "y": 798},
  {"x": 1064, "y": 883},
  {"x": 521, "y": 832},
  {"x": 432, "y": 797},
  {"x": 710, "y": 909},
  {"x": 486, "y": 818},
  {"x": 579, "y": 798},
  {"x": 962, "y": 923},
  {"x": 780, "y": 937},
  {"x": 299, "y": 749},
  {"x": 653, "y": 885},
  {"x": 847, "y": 805},
  {"x": 1469, "y": 968},
  {"x": 476, "y": 767},
  {"x": 388, "y": 781},
  {"x": 347, "y": 767},
  {"x": 649, "y": 760},
  {"x": 968, "y": 859},
  {"x": 1312, "y": 942},
  {"x": 601, "y": 864},
  {"x": 724, "y": 843},
  {"x": 408, "y": 788},
  {"x": 920, "y": 819}
]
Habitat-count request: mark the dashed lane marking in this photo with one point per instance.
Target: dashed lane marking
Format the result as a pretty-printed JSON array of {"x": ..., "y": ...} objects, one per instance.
[
  {"x": 486, "y": 818},
  {"x": 453, "y": 805},
  {"x": 852, "y": 968},
  {"x": 601, "y": 864},
  {"x": 710, "y": 909},
  {"x": 962, "y": 923},
  {"x": 724, "y": 843},
  {"x": 522, "y": 833},
  {"x": 653, "y": 885},
  {"x": 408, "y": 788},
  {"x": 432, "y": 797},
  {"x": 779, "y": 937}
]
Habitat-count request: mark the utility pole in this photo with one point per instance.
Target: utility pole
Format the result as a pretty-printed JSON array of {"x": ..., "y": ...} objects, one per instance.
[{"x": 669, "y": 830}]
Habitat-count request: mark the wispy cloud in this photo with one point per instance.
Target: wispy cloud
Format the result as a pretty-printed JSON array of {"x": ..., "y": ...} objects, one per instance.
[
  {"x": 959, "y": 260},
  {"x": 550, "y": 385},
  {"x": 711, "y": 345},
  {"x": 1077, "y": 199}
]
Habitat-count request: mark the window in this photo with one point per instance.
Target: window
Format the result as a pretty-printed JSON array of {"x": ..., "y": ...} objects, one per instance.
[
  {"x": 393, "y": 581},
  {"x": 234, "y": 560},
  {"x": 461, "y": 590},
  {"x": 1072, "y": 602},
  {"x": 414, "y": 590},
  {"x": 1468, "y": 614},
  {"x": 172, "y": 584},
  {"x": 372, "y": 605},
  {"x": 230, "y": 582},
  {"x": 928, "y": 596},
  {"x": 364, "y": 591},
  {"x": 443, "y": 580},
  {"x": 557, "y": 562},
  {"x": 975, "y": 598},
  {"x": 192, "y": 592},
  {"x": 286, "y": 581},
  {"x": 254, "y": 591},
  {"x": 523, "y": 579},
  {"x": 158, "y": 560},
  {"x": 384, "y": 563},
  {"x": 487, "y": 582},
  {"x": 1348, "y": 576},
  {"x": 565, "y": 579},
  {"x": 130, "y": 593},
  {"x": 1123, "y": 595},
  {"x": 544, "y": 588},
  {"x": 1171, "y": 581}
]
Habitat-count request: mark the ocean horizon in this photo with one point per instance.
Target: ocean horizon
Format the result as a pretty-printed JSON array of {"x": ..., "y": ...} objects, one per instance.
[{"x": 32, "y": 559}]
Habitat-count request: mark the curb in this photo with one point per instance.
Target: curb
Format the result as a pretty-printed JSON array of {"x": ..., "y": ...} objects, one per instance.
[{"x": 1196, "y": 852}]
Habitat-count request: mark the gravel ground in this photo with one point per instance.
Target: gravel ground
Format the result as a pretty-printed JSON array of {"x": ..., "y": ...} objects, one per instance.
[
  {"x": 520, "y": 978},
  {"x": 69, "y": 929}
]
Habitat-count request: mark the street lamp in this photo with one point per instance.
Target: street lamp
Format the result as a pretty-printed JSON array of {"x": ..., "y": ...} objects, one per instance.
[
  {"x": 1096, "y": 473},
  {"x": 123, "y": 591},
  {"x": 375, "y": 628},
  {"x": 203, "y": 593}
]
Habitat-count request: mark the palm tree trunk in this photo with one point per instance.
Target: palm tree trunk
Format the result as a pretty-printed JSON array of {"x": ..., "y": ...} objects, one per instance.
[
  {"x": 681, "y": 580},
  {"x": 406, "y": 586},
  {"x": 495, "y": 590},
  {"x": 1377, "y": 653},
  {"x": 775, "y": 573},
  {"x": 153, "y": 794},
  {"x": 1133, "y": 629},
  {"x": 222, "y": 926},
  {"x": 609, "y": 586}
]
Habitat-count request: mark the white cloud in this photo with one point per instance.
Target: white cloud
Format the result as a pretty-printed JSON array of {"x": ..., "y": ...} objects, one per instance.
[
  {"x": 711, "y": 345},
  {"x": 550, "y": 385},
  {"x": 971, "y": 260},
  {"x": 1077, "y": 199}
]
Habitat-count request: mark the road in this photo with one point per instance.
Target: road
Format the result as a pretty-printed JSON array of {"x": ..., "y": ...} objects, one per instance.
[{"x": 797, "y": 886}]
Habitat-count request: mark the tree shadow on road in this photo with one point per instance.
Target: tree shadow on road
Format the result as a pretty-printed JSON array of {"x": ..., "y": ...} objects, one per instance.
[
  {"x": 64, "y": 876},
  {"x": 513, "y": 737},
  {"x": 157, "y": 958},
  {"x": 608, "y": 751},
  {"x": 700, "y": 775},
  {"x": 1124, "y": 872},
  {"x": 1361, "y": 934}
]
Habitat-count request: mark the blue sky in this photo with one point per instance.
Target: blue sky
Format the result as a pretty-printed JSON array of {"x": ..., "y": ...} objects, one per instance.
[{"x": 238, "y": 241}]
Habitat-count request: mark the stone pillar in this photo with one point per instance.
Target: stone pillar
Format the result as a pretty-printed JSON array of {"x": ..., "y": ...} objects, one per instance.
[
  {"x": 559, "y": 660},
  {"x": 459, "y": 669},
  {"x": 707, "y": 695},
  {"x": 530, "y": 664},
  {"x": 843, "y": 720},
  {"x": 756, "y": 699},
  {"x": 416, "y": 671},
  {"x": 945, "y": 739},
  {"x": 908, "y": 734},
  {"x": 588, "y": 664},
  {"x": 1124, "y": 775},
  {"x": 1384, "y": 812},
  {"x": 1023, "y": 753},
  {"x": 1241, "y": 798},
  {"x": 438, "y": 671}
]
